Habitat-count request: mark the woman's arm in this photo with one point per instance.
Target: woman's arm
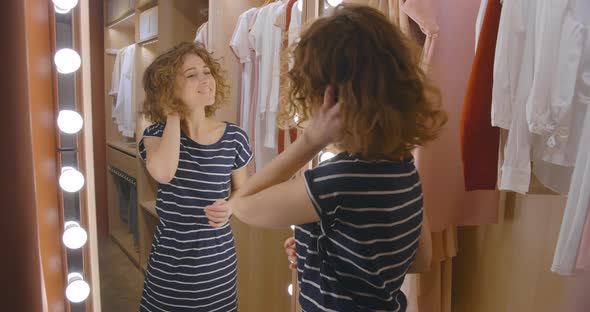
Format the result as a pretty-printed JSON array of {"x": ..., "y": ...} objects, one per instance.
[
  {"x": 163, "y": 153},
  {"x": 270, "y": 199}
]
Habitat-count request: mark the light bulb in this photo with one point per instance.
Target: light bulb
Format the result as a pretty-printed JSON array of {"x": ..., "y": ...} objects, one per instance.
[
  {"x": 325, "y": 156},
  {"x": 67, "y": 61},
  {"x": 69, "y": 121},
  {"x": 290, "y": 289},
  {"x": 300, "y": 5},
  {"x": 293, "y": 227},
  {"x": 64, "y": 6},
  {"x": 334, "y": 2},
  {"x": 71, "y": 180},
  {"x": 77, "y": 289},
  {"x": 60, "y": 10},
  {"x": 74, "y": 236}
]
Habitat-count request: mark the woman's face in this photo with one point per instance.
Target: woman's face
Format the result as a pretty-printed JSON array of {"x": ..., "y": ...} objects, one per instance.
[{"x": 196, "y": 83}]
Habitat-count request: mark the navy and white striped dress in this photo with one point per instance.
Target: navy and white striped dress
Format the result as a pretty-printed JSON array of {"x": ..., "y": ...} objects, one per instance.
[
  {"x": 192, "y": 266},
  {"x": 356, "y": 257}
]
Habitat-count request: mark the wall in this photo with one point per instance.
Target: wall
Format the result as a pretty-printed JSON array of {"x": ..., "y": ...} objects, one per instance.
[
  {"x": 506, "y": 267},
  {"x": 33, "y": 273}
]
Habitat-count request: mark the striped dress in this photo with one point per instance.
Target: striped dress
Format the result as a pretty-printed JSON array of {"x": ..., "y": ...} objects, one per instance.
[
  {"x": 356, "y": 257},
  {"x": 192, "y": 266}
]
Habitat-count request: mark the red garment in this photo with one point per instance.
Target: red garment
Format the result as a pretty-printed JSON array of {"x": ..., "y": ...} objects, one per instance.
[
  {"x": 479, "y": 140},
  {"x": 292, "y": 132}
]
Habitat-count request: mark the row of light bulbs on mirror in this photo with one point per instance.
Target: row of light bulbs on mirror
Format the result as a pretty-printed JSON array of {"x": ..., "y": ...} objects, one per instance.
[{"x": 71, "y": 180}]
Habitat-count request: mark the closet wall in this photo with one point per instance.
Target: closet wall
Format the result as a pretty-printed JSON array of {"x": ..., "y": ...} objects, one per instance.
[{"x": 506, "y": 267}]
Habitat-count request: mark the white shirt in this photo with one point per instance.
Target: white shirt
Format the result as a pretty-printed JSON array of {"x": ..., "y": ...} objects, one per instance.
[
  {"x": 517, "y": 82},
  {"x": 266, "y": 39},
  {"x": 578, "y": 202},
  {"x": 240, "y": 45},
  {"x": 124, "y": 111},
  {"x": 203, "y": 35}
]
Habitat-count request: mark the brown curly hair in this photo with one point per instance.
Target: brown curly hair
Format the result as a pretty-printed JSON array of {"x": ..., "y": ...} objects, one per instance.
[
  {"x": 160, "y": 83},
  {"x": 389, "y": 107}
]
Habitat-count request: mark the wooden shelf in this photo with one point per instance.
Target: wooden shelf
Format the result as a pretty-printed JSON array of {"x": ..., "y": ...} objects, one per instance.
[
  {"x": 148, "y": 40},
  {"x": 150, "y": 207},
  {"x": 146, "y": 5},
  {"x": 125, "y": 21},
  {"x": 128, "y": 148},
  {"x": 124, "y": 239}
]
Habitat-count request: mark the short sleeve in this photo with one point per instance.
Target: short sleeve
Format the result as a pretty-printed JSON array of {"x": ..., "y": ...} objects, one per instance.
[
  {"x": 154, "y": 131},
  {"x": 242, "y": 146},
  {"x": 239, "y": 42},
  {"x": 319, "y": 191}
]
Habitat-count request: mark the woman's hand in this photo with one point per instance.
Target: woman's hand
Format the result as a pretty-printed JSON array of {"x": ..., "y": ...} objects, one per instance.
[
  {"x": 291, "y": 252},
  {"x": 325, "y": 126},
  {"x": 218, "y": 213}
]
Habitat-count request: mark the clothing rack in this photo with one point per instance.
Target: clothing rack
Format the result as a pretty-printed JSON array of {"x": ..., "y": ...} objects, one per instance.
[
  {"x": 111, "y": 51},
  {"x": 122, "y": 175}
]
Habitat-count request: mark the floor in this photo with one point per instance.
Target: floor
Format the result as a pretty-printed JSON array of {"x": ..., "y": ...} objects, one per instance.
[{"x": 121, "y": 282}]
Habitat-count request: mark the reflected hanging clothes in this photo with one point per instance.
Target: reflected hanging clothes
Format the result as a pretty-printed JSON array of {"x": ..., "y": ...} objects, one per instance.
[{"x": 127, "y": 195}]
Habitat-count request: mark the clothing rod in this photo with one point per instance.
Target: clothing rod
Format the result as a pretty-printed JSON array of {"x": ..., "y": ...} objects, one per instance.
[{"x": 111, "y": 51}]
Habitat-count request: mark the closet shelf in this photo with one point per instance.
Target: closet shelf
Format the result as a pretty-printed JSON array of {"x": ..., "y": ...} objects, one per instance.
[
  {"x": 150, "y": 207},
  {"x": 125, "y": 21},
  {"x": 124, "y": 239},
  {"x": 127, "y": 148},
  {"x": 146, "y": 5},
  {"x": 148, "y": 41}
]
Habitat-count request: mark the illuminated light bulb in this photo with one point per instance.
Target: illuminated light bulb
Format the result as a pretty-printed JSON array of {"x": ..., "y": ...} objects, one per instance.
[
  {"x": 60, "y": 10},
  {"x": 77, "y": 290},
  {"x": 300, "y": 5},
  {"x": 69, "y": 121},
  {"x": 64, "y": 6},
  {"x": 325, "y": 156},
  {"x": 74, "y": 236},
  {"x": 71, "y": 180},
  {"x": 334, "y": 2},
  {"x": 290, "y": 289},
  {"x": 293, "y": 227},
  {"x": 67, "y": 61}
]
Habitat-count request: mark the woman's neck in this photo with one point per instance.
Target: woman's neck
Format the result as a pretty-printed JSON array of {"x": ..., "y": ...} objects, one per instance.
[{"x": 196, "y": 123}]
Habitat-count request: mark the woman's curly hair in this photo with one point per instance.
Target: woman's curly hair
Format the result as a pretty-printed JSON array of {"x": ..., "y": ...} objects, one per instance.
[
  {"x": 388, "y": 105},
  {"x": 160, "y": 83}
]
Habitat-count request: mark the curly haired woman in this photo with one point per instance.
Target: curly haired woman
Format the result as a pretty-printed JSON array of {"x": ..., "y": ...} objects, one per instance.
[
  {"x": 360, "y": 213},
  {"x": 196, "y": 160}
]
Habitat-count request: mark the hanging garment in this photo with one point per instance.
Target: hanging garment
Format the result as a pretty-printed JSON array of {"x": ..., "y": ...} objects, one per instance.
[
  {"x": 124, "y": 113},
  {"x": 253, "y": 114},
  {"x": 479, "y": 140},
  {"x": 576, "y": 211},
  {"x": 290, "y": 19},
  {"x": 559, "y": 41},
  {"x": 447, "y": 64},
  {"x": 508, "y": 60},
  {"x": 583, "y": 262},
  {"x": 572, "y": 245},
  {"x": 203, "y": 35},
  {"x": 123, "y": 192},
  {"x": 240, "y": 46},
  {"x": 116, "y": 75},
  {"x": 265, "y": 38},
  {"x": 516, "y": 167}
]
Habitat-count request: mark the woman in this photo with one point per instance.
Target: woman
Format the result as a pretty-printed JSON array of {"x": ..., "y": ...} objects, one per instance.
[
  {"x": 195, "y": 160},
  {"x": 361, "y": 211}
]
